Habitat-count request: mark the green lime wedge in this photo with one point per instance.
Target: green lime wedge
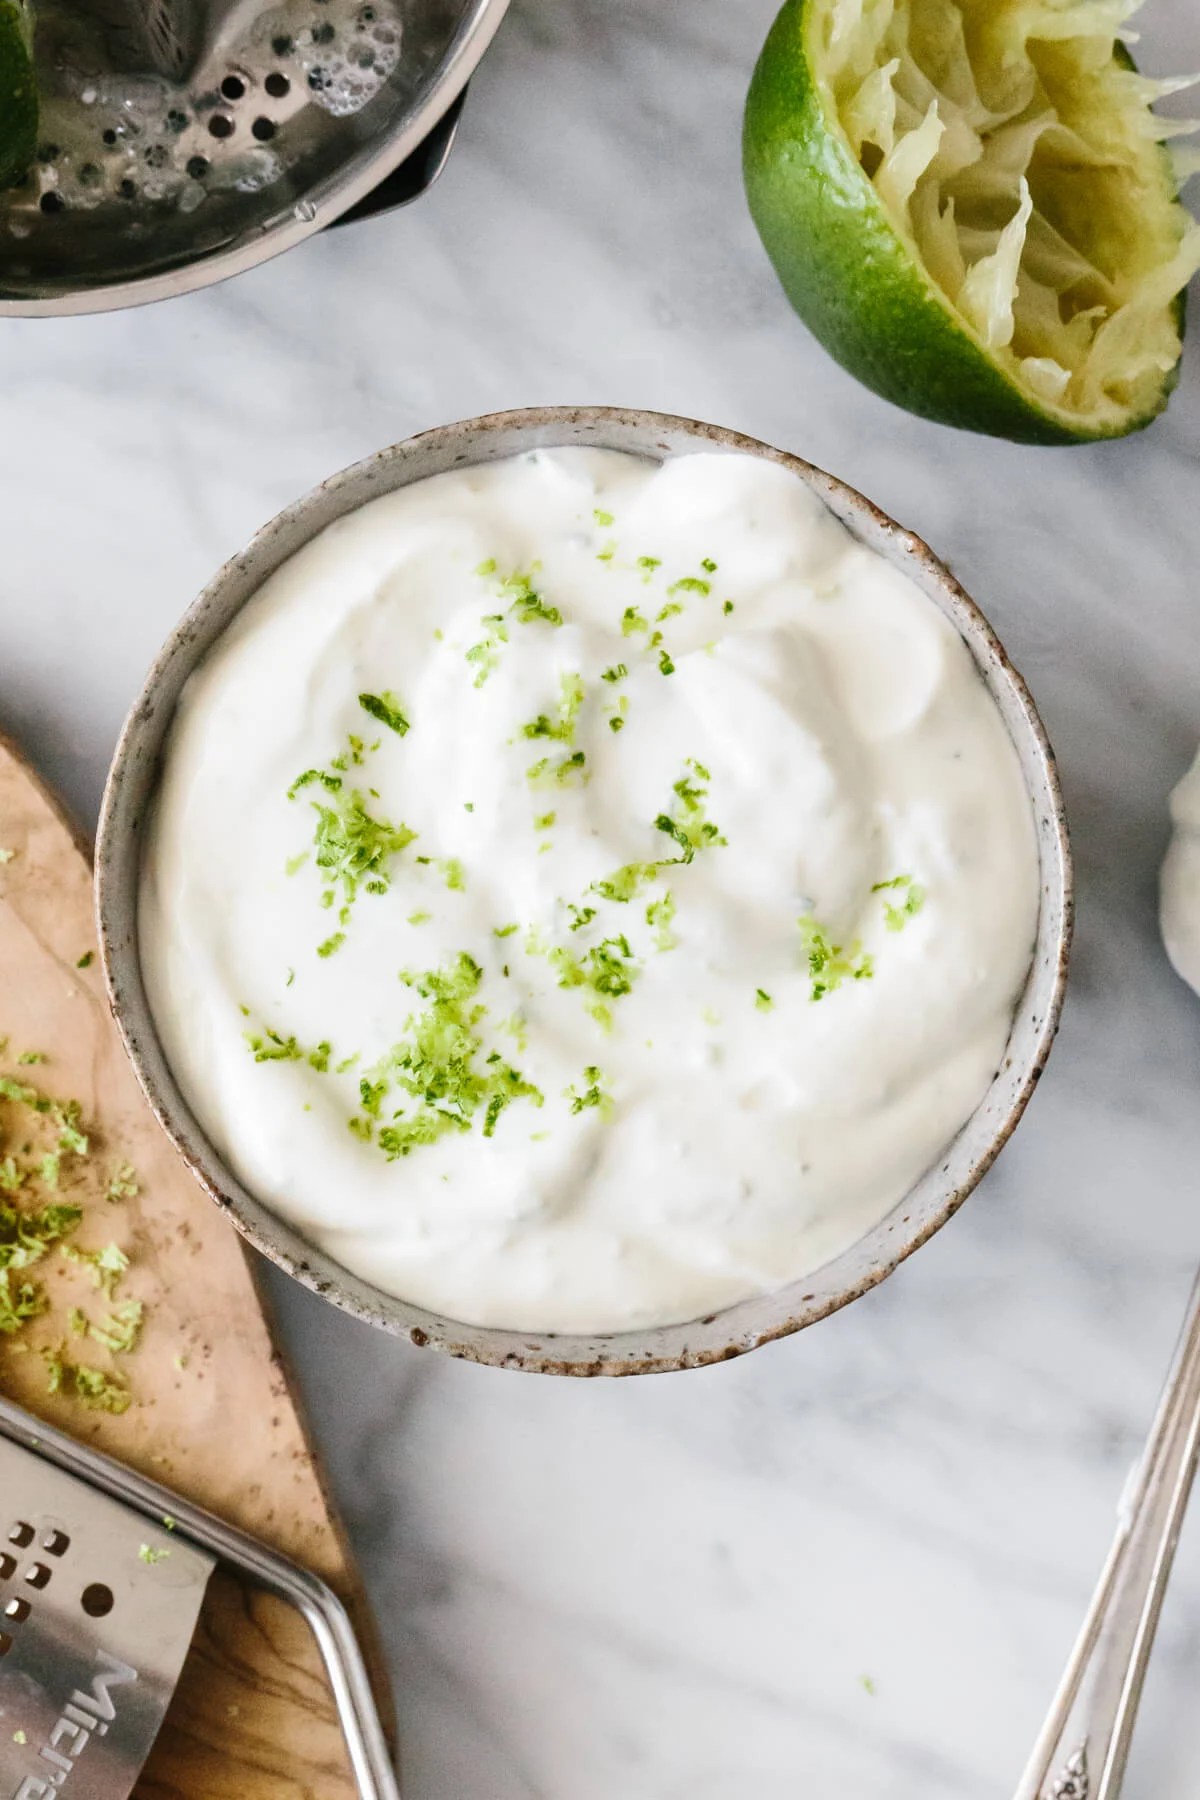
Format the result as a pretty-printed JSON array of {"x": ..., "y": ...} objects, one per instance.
[
  {"x": 972, "y": 206},
  {"x": 18, "y": 91}
]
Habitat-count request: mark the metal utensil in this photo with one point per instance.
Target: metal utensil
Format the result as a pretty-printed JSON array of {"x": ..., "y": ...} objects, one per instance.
[
  {"x": 1083, "y": 1748},
  {"x": 160, "y": 37},
  {"x": 185, "y": 140},
  {"x": 749, "y": 1323},
  {"x": 102, "y": 1576}
]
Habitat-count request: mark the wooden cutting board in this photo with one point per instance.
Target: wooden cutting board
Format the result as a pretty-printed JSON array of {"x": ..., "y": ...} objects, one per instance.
[{"x": 213, "y": 1414}]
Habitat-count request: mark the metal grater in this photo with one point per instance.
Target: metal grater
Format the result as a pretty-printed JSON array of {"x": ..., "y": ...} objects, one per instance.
[
  {"x": 183, "y": 140},
  {"x": 102, "y": 1577},
  {"x": 97, "y": 1610}
]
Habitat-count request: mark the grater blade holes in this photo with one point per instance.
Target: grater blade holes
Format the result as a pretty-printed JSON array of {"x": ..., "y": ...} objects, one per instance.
[
  {"x": 55, "y": 1543},
  {"x": 16, "y": 1610},
  {"x": 8, "y": 1566},
  {"x": 22, "y": 1535},
  {"x": 97, "y": 1600},
  {"x": 37, "y": 1575},
  {"x": 6, "y": 1643}
]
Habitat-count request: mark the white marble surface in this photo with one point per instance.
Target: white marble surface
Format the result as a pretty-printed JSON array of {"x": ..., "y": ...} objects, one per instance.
[{"x": 672, "y": 1589}]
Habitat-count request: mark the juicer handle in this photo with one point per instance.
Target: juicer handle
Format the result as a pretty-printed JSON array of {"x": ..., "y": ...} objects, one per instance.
[
  {"x": 415, "y": 175},
  {"x": 1083, "y": 1747}
]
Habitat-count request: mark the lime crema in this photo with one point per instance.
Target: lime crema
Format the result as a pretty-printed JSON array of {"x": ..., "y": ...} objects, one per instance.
[{"x": 583, "y": 893}]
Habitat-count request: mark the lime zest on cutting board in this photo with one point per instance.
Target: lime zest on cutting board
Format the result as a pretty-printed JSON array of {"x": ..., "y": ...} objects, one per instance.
[{"x": 48, "y": 1174}]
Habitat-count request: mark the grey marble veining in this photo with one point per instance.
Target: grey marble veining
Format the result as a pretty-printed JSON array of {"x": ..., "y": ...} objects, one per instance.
[{"x": 851, "y": 1564}]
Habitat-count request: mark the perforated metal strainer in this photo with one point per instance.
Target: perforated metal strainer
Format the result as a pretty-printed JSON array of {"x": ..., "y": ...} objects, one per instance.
[{"x": 184, "y": 140}]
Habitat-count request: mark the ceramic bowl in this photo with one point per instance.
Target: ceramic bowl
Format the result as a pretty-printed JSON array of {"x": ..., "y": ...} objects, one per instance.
[{"x": 735, "y": 1329}]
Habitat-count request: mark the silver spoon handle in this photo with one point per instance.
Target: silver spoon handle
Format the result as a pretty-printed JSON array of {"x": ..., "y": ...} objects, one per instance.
[{"x": 1083, "y": 1746}]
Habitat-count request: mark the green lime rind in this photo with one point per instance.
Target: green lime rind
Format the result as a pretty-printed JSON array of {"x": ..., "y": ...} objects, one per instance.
[
  {"x": 860, "y": 286},
  {"x": 18, "y": 92}
]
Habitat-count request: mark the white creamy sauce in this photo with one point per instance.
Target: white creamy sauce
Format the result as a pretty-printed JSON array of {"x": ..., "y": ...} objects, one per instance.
[
  {"x": 1180, "y": 887},
  {"x": 689, "y": 1099}
]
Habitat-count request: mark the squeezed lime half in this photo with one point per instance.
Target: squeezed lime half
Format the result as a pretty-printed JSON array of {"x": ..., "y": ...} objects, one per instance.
[
  {"x": 18, "y": 91},
  {"x": 974, "y": 208}
]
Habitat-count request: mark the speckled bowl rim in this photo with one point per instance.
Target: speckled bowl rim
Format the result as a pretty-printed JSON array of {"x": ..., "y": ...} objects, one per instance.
[{"x": 734, "y": 1329}]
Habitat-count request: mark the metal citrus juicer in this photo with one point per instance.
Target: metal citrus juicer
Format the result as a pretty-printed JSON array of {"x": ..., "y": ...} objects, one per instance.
[{"x": 181, "y": 141}]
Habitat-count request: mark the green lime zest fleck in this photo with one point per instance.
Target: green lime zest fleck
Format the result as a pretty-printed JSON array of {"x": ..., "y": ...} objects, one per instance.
[
  {"x": 690, "y": 584},
  {"x": 562, "y": 727},
  {"x": 28, "y": 1234},
  {"x": 544, "y": 821},
  {"x": 593, "y": 1094},
  {"x": 625, "y": 883},
  {"x": 648, "y": 564},
  {"x": 92, "y": 1388},
  {"x": 322, "y": 777},
  {"x": 503, "y": 931},
  {"x": 728, "y": 606},
  {"x": 486, "y": 653},
  {"x": 331, "y": 945},
  {"x": 661, "y": 915},
  {"x": 122, "y": 1184},
  {"x": 107, "y": 1265},
  {"x": 671, "y": 610},
  {"x": 617, "y": 672},
  {"x": 19, "y": 1301},
  {"x": 763, "y": 1000},
  {"x": 896, "y": 914},
  {"x": 828, "y": 965},
  {"x": 606, "y": 970},
  {"x": 687, "y": 827},
  {"x": 633, "y": 621},
  {"x": 270, "y": 1046},
  {"x": 526, "y": 604},
  {"x": 453, "y": 874},
  {"x": 602, "y": 518},
  {"x": 442, "y": 1065},
  {"x": 150, "y": 1556},
  {"x": 565, "y": 770},
  {"x": 121, "y": 1332},
  {"x": 488, "y": 567},
  {"x": 352, "y": 846},
  {"x": 28, "y": 1058},
  {"x": 86, "y": 960},
  {"x": 386, "y": 708},
  {"x": 419, "y": 918},
  {"x": 665, "y": 665},
  {"x": 709, "y": 566}
]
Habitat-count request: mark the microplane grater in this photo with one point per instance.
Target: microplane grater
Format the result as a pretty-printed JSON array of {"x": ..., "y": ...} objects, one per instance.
[
  {"x": 102, "y": 1577},
  {"x": 97, "y": 1610}
]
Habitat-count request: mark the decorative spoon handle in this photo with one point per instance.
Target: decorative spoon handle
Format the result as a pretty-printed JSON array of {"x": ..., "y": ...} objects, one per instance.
[{"x": 1083, "y": 1746}]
